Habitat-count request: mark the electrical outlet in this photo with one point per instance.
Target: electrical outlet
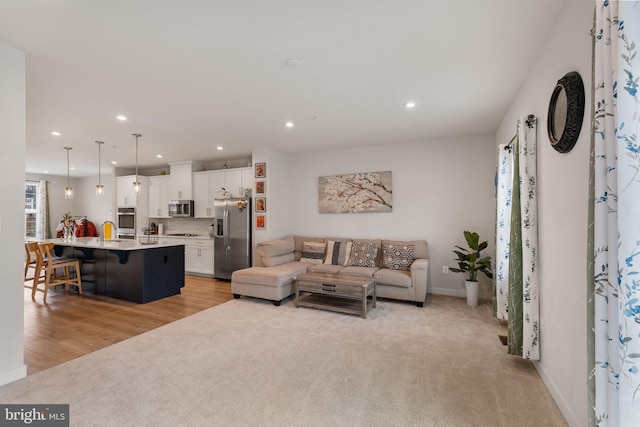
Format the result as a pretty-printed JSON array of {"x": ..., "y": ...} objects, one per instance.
[{"x": 445, "y": 269}]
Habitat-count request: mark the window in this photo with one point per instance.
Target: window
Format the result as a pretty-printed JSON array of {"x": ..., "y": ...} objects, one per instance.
[{"x": 30, "y": 208}]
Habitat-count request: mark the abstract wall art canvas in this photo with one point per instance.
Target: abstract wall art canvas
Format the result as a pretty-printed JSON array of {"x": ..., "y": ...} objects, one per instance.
[{"x": 355, "y": 193}]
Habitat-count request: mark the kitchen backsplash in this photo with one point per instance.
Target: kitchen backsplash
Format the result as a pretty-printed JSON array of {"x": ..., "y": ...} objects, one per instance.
[{"x": 185, "y": 225}]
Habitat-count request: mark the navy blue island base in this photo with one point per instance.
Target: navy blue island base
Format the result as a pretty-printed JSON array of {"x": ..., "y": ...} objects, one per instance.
[{"x": 127, "y": 271}]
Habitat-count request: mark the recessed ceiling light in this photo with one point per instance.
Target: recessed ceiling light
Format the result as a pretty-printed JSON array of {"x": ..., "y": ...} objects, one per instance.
[
  {"x": 159, "y": 156},
  {"x": 45, "y": 171},
  {"x": 121, "y": 117},
  {"x": 114, "y": 163},
  {"x": 289, "y": 124},
  {"x": 72, "y": 168},
  {"x": 55, "y": 133},
  {"x": 293, "y": 63},
  {"x": 410, "y": 104},
  {"x": 219, "y": 147}
]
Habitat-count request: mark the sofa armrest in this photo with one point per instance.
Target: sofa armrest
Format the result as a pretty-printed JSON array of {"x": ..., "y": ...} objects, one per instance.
[{"x": 419, "y": 276}]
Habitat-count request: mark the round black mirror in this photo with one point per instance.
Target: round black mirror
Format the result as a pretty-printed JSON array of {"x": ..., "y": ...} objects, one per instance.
[{"x": 566, "y": 110}]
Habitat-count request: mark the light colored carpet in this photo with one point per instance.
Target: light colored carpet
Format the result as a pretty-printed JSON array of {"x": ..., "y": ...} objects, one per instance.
[{"x": 249, "y": 363}]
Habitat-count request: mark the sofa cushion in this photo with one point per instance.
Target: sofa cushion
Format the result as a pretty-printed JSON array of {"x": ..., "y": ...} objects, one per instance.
[
  {"x": 397, "y": 257},
  {"x": 363, "y": 254},
  {"x": 276, "y": 252},
  {"x": 337, "y": 252},
  {"x": 272, "y": 261},
  {"x": 280, "y": 275},
  {"x": 399, "y": 278},
  {"x": 313, "y": 252},
  {"x": 325, "y": 268},
  {"x": 358, "y": 271},
  {"x": 299, "y": 243},
  {"x": 420, "y": 249}
]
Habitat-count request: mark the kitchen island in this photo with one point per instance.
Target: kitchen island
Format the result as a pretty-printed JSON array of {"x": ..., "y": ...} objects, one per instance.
[{"x": 127, "y": 269}]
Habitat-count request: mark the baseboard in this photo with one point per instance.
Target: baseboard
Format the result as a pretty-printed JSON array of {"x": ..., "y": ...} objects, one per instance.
[
  {"x": 460, "y": 293},
  {"x": 568, "y": 415},
  {"x": 14, "y": 375}
]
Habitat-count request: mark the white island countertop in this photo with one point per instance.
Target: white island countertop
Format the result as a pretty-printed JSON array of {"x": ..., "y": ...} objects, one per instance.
[{"x": 115, "y": 244}]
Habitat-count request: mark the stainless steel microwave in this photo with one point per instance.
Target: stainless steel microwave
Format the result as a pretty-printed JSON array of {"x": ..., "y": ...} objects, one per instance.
[{"x": 181, "y": 208}]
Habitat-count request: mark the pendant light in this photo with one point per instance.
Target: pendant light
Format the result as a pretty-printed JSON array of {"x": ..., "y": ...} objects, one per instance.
[
  {"x": 136, "y": 184},
  {"x": 68, "y": 192},
  {"x": 99, "y": 187}
]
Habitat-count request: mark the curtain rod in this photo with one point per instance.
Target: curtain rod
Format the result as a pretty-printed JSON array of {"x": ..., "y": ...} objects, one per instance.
[
  {"x": 508, "y": 146},
  {"x": 530, "y": 121}
]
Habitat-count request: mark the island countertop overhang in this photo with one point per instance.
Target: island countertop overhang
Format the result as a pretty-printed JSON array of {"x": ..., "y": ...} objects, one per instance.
[{"x": 121, "y": 245}]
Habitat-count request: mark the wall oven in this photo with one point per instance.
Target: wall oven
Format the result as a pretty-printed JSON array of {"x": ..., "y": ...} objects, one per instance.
[{"x": 126, "y": 223}]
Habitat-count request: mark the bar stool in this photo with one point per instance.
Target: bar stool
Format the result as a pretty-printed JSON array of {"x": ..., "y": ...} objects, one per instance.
[
  {"x": 48, "y": 263},
  {"x": 31, "y": 261}
]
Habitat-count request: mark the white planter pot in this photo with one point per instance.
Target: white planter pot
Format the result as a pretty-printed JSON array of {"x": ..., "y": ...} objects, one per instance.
[{"x": 472, "y": 292}]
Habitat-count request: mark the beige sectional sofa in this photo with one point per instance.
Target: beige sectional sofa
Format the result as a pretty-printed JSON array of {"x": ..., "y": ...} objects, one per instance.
[{"x": 400, "y": 268}]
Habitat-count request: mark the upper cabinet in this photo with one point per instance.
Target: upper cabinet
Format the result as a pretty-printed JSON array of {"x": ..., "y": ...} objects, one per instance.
[
  {"x": 211, "y": 185},
  {"x": 159, "y": 196},
  {"x": 203, "y": 185},
  {"x": 126, "y": 196},
  {"x": 181, "y": 182}
]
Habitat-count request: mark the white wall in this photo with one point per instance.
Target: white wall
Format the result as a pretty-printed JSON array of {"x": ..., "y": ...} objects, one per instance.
[
  {"x": 279, "y": 200},
  {"x": 96, "y": 209},
  {"x": 440, "y": 188},
  {"x": 12, "y": 160},
  {"x": 562, "y": 208}
]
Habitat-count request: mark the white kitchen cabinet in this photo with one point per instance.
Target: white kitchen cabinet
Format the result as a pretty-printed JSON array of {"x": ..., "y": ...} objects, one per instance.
[
  {"x": 181, "y": 179},
  {"x": 233, "y": 182},
  {"x": 205, "y": 188},
  {"x": 236, "y": 180},
  {"x": 247, "y": 179},
  {"x": 126, "y": 196},
  {"x": 159, "y": 196},
  {"x": 209, "y": 185},
  {"x": 198, "y": 256}
]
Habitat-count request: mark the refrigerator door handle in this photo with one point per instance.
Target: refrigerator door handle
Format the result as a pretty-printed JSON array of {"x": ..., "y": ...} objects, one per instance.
[{"x": 226, "y": 228}]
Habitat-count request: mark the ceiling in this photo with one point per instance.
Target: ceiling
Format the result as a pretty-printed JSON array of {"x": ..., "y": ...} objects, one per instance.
[{"x": 196, "y": 74}]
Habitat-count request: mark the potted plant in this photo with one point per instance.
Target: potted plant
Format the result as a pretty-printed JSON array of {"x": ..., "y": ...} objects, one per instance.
[{"x": 472, "y": 262}]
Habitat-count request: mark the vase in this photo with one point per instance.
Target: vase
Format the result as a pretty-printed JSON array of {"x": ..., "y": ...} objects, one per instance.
[
  {"x": 472, "y": 292},
  {"x": 68, "y": 233}
]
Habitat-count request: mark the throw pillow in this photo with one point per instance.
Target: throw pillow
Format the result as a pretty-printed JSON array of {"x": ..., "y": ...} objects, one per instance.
[
  {"x": 363, "y": 254},
  {"x": 313, "y": 252},
  {"x": 397, "y": 257},
  {"x": 337, "y": 252}
]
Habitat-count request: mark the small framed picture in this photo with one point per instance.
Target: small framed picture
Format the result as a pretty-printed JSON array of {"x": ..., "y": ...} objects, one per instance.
[
  {"x": 261, "y": 170},
  {"x": 260, "y": 222},
  {"x": 261, "y": 187},
  {"x": 261, "y": 204}
]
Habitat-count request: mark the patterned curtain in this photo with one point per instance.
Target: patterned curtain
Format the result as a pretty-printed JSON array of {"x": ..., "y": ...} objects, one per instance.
[
  {"x": 47, "y": 219},
  {"x": 517, "y": 243},
  {"x": 42, "y": 215},
  {"x": 615, "y": 236}
]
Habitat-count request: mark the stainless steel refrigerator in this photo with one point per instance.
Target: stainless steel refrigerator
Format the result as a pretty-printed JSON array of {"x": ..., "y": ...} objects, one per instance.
[{"x": 232, "y": 236}]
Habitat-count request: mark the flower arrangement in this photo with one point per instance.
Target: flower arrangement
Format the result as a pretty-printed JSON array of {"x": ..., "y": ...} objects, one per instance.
[
  {"x": 67, "y": 219},
  {"x": 67, "y": 224}
]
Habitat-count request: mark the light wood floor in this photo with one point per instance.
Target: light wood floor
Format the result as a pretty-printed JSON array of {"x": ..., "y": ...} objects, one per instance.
[{"x": 70, "y": 325}]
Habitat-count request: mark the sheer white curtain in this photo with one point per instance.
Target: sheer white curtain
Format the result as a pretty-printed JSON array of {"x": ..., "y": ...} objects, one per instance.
[
  {"x": 616, "y": 215},
  {"x": 503, "y": 228}
]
